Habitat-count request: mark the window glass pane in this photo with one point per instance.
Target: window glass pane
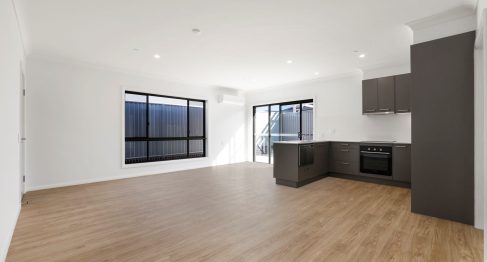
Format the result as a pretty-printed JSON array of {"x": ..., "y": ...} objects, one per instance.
[
  {"x": 167, "y": 150},
  {"x": 261, "y": 136},
  {"x": 135, "y": 151},
  {"x": 135, "y": 115},
  {"x": 196, "y": 148},
  {"x": 290, "y": 122},
  {"x": 168, "y": 117},
  {"x": 196, "y": 118},
  {"x": 307, "y": 121},
  {"x": 275, "y": 124}
]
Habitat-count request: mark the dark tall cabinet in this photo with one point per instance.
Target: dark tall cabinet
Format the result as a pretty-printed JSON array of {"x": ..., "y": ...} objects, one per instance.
[{"x": 442, "y": 111}]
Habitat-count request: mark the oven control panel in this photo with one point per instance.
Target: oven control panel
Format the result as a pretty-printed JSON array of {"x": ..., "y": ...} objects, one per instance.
[{"x": 375, "y": 149}]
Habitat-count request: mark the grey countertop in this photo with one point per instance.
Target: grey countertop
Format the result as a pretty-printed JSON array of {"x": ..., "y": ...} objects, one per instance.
[{"x": 299, "y": 142}]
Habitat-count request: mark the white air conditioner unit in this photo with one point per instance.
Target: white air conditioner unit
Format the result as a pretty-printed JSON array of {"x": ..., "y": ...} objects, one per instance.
[{"x": 231, "y": 100}]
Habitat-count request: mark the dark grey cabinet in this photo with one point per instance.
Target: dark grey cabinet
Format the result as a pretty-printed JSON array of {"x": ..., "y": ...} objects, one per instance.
[
  {"x": 378, "y": 95},
  {"x": 306, "y": 154},
  {"x": 401, "y": 163},
  {"x": 344, "y": 158},
  {"x": 321, "y": 158},
  {"x": 403, "y": 93},
  {"x": 370, "y": 96},
  {"x": 297, "y": 164},
  {"x": 442, "y": 128},
  {"x": 385, "y": 94}
]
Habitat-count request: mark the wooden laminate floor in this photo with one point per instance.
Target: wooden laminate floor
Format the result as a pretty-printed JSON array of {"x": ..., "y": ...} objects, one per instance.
[{"x": 234, "y": 213}]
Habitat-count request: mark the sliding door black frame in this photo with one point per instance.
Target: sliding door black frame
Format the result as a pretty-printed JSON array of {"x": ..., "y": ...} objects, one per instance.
[{"x": 300, "y": 134}]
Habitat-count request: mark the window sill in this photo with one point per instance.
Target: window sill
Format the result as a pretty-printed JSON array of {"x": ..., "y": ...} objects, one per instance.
[{"x": 167, "y": 162}]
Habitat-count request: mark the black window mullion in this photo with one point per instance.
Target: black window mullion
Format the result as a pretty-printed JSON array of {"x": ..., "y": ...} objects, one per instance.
[
  {"x": 301, "y": 121},
  {"x": 204, "y": 129},
  {"x": 187, "y": 128},
  {"x": 280, "y": 123},
  {"x": 148, "y": 126},
  {"x": 253, "y": 133},
  {"x": 269, "y": 131}
]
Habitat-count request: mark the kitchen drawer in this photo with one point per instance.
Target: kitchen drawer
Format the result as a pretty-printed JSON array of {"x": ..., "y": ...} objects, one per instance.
[
  {"x": 345, "y": 145},
  {"x": 345, "y": 154},
  {"x": 345, "y": 167}
]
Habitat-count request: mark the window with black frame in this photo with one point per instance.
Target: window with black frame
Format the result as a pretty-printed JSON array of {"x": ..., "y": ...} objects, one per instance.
[{"x": 161, "y": 128}]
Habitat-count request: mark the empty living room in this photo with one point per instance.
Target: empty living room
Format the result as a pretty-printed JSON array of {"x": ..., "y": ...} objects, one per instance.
[{"x": 243, "y": 130}]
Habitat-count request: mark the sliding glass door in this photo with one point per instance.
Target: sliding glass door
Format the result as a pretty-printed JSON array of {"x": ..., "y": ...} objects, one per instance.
[
  {"x": 280, "y": 122},
  {"x": 261, "y": 134}
]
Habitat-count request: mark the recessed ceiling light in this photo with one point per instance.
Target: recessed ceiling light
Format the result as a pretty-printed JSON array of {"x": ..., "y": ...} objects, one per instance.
[
  {"x": 196, "y": 31},
  {"x": 317, "y": 73},
  {"x": 362, "y": 56},
  {"x": 157, "y": 56},
  {"x": 135, "y": 49},
  {"x": 289, "y": 61}
]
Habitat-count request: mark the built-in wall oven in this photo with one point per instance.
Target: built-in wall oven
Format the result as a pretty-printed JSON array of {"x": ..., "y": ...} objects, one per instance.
[{"x": 376, "y": 159}]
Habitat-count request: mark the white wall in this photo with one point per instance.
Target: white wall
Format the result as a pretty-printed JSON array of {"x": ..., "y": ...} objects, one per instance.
[
  {"x": 481, "y": 111},
  {"x": 11, "y": 55},
  {"x": 338, "y": 111},
  {"x": 451, "y": 22},
  {"x": 75, "y": 124},
  {"x": 479, "y": 138}
]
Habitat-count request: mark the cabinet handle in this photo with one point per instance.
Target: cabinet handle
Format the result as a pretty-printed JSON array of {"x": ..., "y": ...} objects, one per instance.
[
  {"x": 402, "y": 110},
  {"x": 345, "y": 163},
  {"x": 344, "y": 144},
  {"x": 384, "y": 109},
  {"x": 369, "y": 110},
  {"x": 345, "y": 150},
  {"x": 400, "y": 146}
]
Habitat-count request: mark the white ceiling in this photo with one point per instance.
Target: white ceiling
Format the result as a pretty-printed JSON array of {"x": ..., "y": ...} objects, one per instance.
[{"x": 244, "y": 44}]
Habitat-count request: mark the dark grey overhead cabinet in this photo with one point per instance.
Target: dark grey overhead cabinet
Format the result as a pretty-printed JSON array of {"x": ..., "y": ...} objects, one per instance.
[
  {"x": 370, "y": 96},
  {"x": 385, "y": 93},
  {"x": 378, "y": 95},
  {"x": 442, "y": 125},
  {"x": 402, "y": 93}
]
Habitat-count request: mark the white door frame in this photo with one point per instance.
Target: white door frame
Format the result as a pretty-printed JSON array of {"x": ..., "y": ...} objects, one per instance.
[{"x": 22, "y": 132}]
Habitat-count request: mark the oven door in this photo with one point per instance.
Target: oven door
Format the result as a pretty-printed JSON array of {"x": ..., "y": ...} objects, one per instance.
[{"x": 377, "y": 163}]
